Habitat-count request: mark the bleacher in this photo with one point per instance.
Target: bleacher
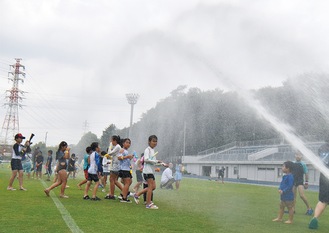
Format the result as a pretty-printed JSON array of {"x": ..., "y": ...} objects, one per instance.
[{"x": 271, "y": 152}]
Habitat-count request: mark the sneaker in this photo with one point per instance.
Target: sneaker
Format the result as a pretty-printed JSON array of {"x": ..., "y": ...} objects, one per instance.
[
  {"x": 130, "y": 194},
  {"x": 120, "y": 197},
  {"x": 309, "y": 212},
  {"x": 136, "y": 199},
  {"x": 23, "y": 189},
  {"x": 63, "y": 196},
  {"x": 95, "y": 198},
  {"x": 152, "y": 206},
  {"x": 313, "y": 224},
  {"x": 11, "y": 188},
  {"x": 109, "y": 197},
  {"x": 86, "y": 197},
  {"x": 126, "y": 201}
]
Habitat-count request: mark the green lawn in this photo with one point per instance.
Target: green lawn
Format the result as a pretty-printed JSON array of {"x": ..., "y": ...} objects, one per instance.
[{"x": 199, "y": 206}]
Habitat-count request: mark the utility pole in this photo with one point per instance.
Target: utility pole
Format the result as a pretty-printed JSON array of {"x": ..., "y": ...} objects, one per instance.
[
  {"x": 184, "y": 139},
  {"x": 10, "y": 124},
  {"x": 46, "y": 139},
  {"x": 85, "y": 127},
  {"x": 132, "y": 100}
]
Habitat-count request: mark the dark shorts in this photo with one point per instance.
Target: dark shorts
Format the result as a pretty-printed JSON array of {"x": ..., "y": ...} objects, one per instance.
[
  {"x": 16, "y": 164},
  {"x": 139, "y": 176},
  {"x": 125, "y": 174},
  {"x": 324, "y": 189},
  {"x": 93, "y": 177},
  {"x": 61, "y": 166},
  {"x": 39, "y": 168},
  {"x": 106, "y": 173},
  {"x": 114, "y": 172},
  {"x": 298, "y": 182},
  {"x": 149, "y": 176}
]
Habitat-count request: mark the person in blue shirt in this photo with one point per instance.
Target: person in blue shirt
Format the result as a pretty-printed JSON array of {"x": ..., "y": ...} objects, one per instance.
[
  {"x": 85, "y": 167},
  {"x": 124, "y": 172},
  {"x": 286, "y": 193},
  {"x": 94, "y": 163}
]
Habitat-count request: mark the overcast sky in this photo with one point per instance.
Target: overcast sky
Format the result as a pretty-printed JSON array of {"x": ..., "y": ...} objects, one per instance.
[{"x": 82, "y": 57}]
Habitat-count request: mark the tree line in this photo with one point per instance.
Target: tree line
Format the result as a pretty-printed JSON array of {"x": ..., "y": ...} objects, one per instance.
[{"x": 213, "y": 118}]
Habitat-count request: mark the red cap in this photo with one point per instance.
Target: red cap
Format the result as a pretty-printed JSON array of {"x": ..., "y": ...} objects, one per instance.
[{"x": 19, "y": 135}]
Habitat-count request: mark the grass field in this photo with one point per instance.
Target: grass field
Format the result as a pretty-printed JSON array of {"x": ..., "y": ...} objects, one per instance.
[{"x": 199, "y": 206}]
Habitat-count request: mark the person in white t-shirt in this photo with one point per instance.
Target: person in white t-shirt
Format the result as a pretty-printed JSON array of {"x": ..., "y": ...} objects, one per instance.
[
  {"x": 115, "y": 166},
  {"x": 148, "y": 172},
  {"x": 94, "y": 163},
  {"x": 167, "y": 178}
]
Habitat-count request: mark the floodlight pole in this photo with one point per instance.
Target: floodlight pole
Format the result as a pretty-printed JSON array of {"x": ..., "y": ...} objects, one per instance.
[{"x": 132, "y": 100}]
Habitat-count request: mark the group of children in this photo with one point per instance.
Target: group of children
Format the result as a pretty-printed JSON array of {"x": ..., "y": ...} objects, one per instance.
[
  {"x": 293, "y": 182},
  {"x": 116, "y": 163}
]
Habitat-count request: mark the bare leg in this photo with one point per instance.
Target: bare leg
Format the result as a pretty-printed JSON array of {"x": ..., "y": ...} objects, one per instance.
[
  {"x": 302, "y": 196},
  {"x": 20, "y": 179},
  {"x": 12, "y": 178},
  {"x": 95, "y": 189},
  {"x": 320, "y": 207}
]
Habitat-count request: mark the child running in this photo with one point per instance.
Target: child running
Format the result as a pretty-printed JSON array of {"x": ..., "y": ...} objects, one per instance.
[
  {"x": 286, "y": 193},
  {"x": 85, "y": 166},
  {"x": 93, "y": 172},
  {"x": 139, "y": 175},
  {"x": 115, "y": 168},
  {"x": 106, "y": 162},
  {"x": 124, "y": 173},
  {"x": 63, "y": 153},
  {"x": 148, "y": 172}
]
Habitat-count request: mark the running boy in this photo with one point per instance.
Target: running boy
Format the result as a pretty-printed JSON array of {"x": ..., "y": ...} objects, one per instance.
[
  {"x": 286, "y": 193},
  {"x": 48, "y": 164},
  {"x": 92, "y": 172},
  {"x": 85, "y": 166}
]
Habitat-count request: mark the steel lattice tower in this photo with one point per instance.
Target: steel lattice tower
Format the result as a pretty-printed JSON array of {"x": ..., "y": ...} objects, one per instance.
[{"x": 10, "y": 125}]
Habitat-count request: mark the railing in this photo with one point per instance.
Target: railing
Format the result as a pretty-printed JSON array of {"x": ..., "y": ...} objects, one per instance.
[{"x": 266, "y": 142}]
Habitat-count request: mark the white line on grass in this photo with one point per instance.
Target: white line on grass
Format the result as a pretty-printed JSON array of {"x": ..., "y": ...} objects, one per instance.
[{"x": 65, "y": 214}]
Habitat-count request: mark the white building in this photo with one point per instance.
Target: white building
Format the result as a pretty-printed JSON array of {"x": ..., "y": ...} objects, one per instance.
[{"x": 252, "y": 162}]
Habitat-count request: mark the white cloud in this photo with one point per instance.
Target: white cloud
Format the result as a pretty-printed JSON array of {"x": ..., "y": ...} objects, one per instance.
[{"x": 82, "y": 57}]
